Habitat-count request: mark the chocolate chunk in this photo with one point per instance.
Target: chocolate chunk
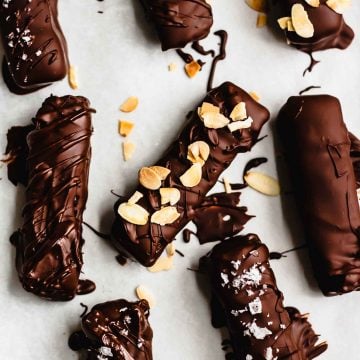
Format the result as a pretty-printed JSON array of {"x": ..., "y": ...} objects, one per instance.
[
  {"x": 147, "y": 242},
  {"x": 247, "y": 300},
  {"x": 35, "y": 47},
  {"x": 179, "y": 22},
  {"x": 49, "y": 245},
  {"x": 317, "y": 148},
  {"x": 116, "y": 330},
  {"x": 330, "y": 29}
]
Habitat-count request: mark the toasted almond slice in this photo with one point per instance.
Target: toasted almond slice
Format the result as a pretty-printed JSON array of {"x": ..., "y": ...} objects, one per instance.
[
  {"x": 290, "y": 26},
  {"x": 215, "y": 121},
  {"x": 255, "y": 95},
  {"x": 172, "y": 67},
  {"x": 257, "y": 5},
  {"x": 261, "y": 20},
  {"x": 143, "y": 293},
  {"x": 313, "y": 3},
  {"x": 192, "y": 176},
  {"x": 128, "y": 150},
  {"x": 130, "y": 104},
  {"x": 192, "y": 68},
  {"x": 339, "y": 6},
  {"x": 133, "y": 213},
  {"x": 242, "y": 124},
  {"x": 170, "y": 249},
  {"x": 283, "y": 22},
  {"x": 227, "y": 186},
  {"x": 239, "y": 112},
  {"x": 164, "y": 263},
  {"x": 165, "y": 216},
  {"x": 198, "y": 152},
  {"x": 301, "y": 22},
  {"x": 262, "y": 183},
  {"x": 72, "y": 77},
  {"x": 125, "y": 127},
  {"x": 149, "y": 179},
  {"x": 135, "y": 198},
  {"x": 162, "y": 171},
  {"x": 169, "y": 196},
  {"x": 208, "y": 108}
]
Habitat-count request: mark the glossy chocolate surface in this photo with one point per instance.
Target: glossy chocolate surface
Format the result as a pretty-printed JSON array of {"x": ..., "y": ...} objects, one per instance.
[
  {"x": 115, "y": 330},
  {"x": 317, "y": 147},
  {"x": 35, "y": 47},
  {"x": 147, "y": 242},
  {"x": 49, "y": 244},
  {"x": 247, "y": 300},
  {"x": 179, "y": 22}
]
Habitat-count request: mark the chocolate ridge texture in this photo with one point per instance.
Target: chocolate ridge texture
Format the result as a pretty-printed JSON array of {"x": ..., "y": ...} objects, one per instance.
[
  {"x": 147, "y": 242},
  {"x": 317, "y": 147},
  {"x": 35, "y": 47},
  {"x": 179, "y": 22},
  {"x": 250, "y": 304},
  {"x": 49, "y": 244}
]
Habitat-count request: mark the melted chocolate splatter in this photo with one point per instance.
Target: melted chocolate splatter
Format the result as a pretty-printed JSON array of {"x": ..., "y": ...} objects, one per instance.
[
  {"x": 179, "y": 252},
  {"x": 200, "y": 49},
  {"x": 312, "y": 64},
  {"x": 308, "y": 89},
  {"x": 86, "y": 308},
  {"x": 96, "y": 232}
]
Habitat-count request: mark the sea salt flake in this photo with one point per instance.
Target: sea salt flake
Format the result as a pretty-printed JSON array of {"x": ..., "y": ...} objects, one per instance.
[
  {"x": 127, "y": 319},
  {"x": 38, "y": 53},
  {"x": 104, "y": 353},
  {"x": 257, "y": 331},
  {"x": 225, "y": 279},
  {"x": 236, "y": 264},
  {"x": 255, "y": 307},
  {"x": 269, "y": 354},
  {"x": 249, "y": 357}
]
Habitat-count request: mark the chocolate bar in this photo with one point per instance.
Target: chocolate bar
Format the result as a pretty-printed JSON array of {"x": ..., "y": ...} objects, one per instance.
[
  {"x": 317, "y": 147},
  {"x": 116, "y": 330},
  {"x": 49, "y": 244},
  {"x": 247, "y": 300},
  {"x": 35, "y": 47},
  {"x": 179, "y": 22},
  {"x": 227, "y": 122},
  {"x": 312, "y": 28}
]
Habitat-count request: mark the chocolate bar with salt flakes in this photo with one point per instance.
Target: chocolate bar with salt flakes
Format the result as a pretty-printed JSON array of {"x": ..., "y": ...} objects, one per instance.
[
  {"x": 190, "y": 168},
  {"x": 250, "y": 304}
]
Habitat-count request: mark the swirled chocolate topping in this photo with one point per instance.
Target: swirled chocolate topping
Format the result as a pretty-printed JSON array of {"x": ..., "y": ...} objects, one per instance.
[
  {"x": 115, "y": 330},
  {"x": 329, "y": 28},
  {"x": 179, "y": 22},
  {"x": 49, "y": 244},
  {"x": 146, "y": 240},
  {"x": 35, "y": 47},
  {"x": 251, "y": 305},
  {"x": 317, "y": 147}
]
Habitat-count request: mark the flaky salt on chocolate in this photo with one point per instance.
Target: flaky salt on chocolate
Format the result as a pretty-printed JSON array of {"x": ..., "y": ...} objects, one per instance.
[
  {"x": 116, "y": 330},
  {"x": 246, "y": 299},
  {"x": 54, "y": 163},
  {"x": 317, "y": 147},
  {"x": 169, "y": 193},
  {"x": 179, "y": 22}
]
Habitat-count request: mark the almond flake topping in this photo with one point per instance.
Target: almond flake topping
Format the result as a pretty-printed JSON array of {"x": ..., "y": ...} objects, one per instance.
[
  {"x": 133, "y": 213},
  {"x": 192, "y": 176},
  {"x": 165, "y": 216},
  {"x": 339, "y": 6},
  {"x": 198, "y": 152},
  {"x": 301, "y": 22},
  {"x": 149, "y": 178},
  {"x": 169, "y": 196}
]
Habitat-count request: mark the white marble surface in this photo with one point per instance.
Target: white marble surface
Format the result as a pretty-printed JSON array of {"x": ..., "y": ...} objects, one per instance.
[{"x": 116, "y": 57}]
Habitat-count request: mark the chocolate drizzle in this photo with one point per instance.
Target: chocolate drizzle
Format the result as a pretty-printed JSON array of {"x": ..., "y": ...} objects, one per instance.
[
  {"x": 312, "y": 64},
  {"x": 200, "y": 49},
  {"x": 302, "y": 92}
]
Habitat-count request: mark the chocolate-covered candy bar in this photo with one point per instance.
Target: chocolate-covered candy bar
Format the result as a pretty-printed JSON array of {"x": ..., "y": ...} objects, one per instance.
[
  {"x": 250, "y": 304},
  {"x": 116, "y": 330},
  {"x": 49, "y": 244},
  {"x": 35, "y": 47},
  {"x": 179, "y": 22},
  {"x": 169, "y": 193},
  {"x": 317, "y": 147},
  {"x": 324, "y": 27}
]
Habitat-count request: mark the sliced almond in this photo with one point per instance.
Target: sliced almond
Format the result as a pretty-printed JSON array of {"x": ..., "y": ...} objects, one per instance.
[
  {"x": 144, "y": 294},
  {"x": 133, "y": 213},
  {"x": 255, "y": 95},
  {"x": 257, "y": 5},
  {"x": 227, "y": 186},
  {"x": 198, "y": 152},
  {"x": 283, "y": 22},
  {"x": 130, "y": 104},
  {"x": 290, "y": 26},
  {"x": 215, "y": 121},
  {"x": 162, "y": 171},
  {"x": 135, "y": 198},
  {"x": 208, "y": 108},
  {"x": 172, "y": 67},
  {"x": 192, "y": 176},
  {"x": 170, "y": 249},
  {"x": 169, "y": 196},
  {"x": 313, "y": 3},
  {"x": 339, "y": 6},
  {"x": 239, "y": 112},
  {"x": 128, "y": 150},
  {"x": 164, "y": 263},
  {"x": 262, "y": 183},
  {"x": 125, "y": 127},
  {"x": 72, "y": 77},
  {"x": 244, "y": 124},
  {"x": 301, "y": 22},
  {"x": 149, "y": 179},
  {"x": 261, "y": 20},
  {"x": 165, "y": 216},
  {"x": 192, "y": 68}
]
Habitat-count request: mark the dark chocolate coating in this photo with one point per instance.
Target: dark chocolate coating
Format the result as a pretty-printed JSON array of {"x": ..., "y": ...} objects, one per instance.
[
  {"x": 49, "y": 245},
  {"x": 330, "y": 29},
  {"x": 35, "y": 47},
  {"x": 250, "y": 304},
  {"x": 147, "y": 242},
  {"x": 179, "y": 22},
  {"x": 317, "y": 147},
  {"x": 115, "y": 330}
]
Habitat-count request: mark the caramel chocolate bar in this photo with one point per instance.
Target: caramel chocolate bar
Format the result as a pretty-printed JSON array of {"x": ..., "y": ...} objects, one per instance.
[
  {"x": 179, "y": 22},
  {"x": 248, "y": 302},
  {"x": 58, "y": 152},
  {"x": 317, "y": 147},
  {"x": 227, "y": 122},
  {"x": 35, "y": 47}
]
